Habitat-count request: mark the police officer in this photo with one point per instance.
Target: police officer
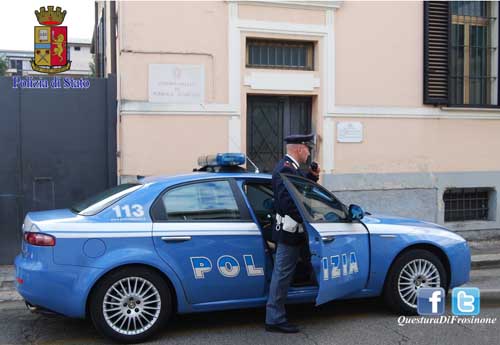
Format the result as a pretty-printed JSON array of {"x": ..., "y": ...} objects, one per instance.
[{"x": 289, "y": 233}]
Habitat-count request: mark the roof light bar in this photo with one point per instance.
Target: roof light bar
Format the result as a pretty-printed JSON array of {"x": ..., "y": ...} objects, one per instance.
[{"x": 222, "y": 159}]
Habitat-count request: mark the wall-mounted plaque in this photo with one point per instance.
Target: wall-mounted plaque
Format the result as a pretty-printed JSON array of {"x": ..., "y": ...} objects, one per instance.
[
  {"x": 349, "y": 132},
  {"x": 177, "y": 84}
]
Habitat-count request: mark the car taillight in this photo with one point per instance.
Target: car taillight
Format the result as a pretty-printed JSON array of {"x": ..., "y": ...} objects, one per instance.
[{"x": 39, "y": 239}]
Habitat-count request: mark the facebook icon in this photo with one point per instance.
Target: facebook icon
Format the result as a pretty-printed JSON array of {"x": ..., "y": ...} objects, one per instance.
[
  {"x": 465, "y": 301},
  {"x": 430, "y": 301}
]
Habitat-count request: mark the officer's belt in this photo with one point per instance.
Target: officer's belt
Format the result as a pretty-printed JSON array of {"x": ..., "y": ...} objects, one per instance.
[{"x": 288, "y": 224}]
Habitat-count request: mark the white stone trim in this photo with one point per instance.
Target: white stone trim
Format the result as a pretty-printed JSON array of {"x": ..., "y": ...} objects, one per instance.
[
  {"x": 234, "y": 134},
  {"x": 325, "y": 33},
  {"x": 415, "y": 112},
  {"x": 148, "y": 108},
  {"x": 309, "y": 5},
  {"x": 328, "y": 93},
  {"x": 283, "y": 81},
  {"x": 234, "y": 56},
  {"x": 330, "y": 66},
  {"x": 328, "y": 145},
  {"x": 282, "y": 28}
]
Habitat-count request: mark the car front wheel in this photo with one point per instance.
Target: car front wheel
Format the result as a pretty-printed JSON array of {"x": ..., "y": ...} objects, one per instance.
[
  {"x": 411, "y": 271},
  {"x": 129, "y": 305}
]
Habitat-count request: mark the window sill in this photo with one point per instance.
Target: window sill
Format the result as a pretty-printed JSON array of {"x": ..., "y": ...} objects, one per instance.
[{"x": 493, "y": 109}]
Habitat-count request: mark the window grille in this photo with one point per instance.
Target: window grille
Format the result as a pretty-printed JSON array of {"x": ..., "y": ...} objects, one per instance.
[
  {"x": 462, "y": 204},
  {"x": 280, "y": 54},
  {"x": 471, "y": 50}
]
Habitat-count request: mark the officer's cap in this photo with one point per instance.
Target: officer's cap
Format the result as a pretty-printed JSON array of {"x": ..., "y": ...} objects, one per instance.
[{"x": 306, "y": 139}]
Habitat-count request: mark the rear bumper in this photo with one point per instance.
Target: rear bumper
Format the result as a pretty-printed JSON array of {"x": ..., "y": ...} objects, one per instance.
[{"x": 61, "y": 289}]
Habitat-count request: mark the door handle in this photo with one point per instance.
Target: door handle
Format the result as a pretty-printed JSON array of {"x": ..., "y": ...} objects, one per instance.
[
  {"x": 327, "y": 239},
  {"x": 176, "y": 238}
]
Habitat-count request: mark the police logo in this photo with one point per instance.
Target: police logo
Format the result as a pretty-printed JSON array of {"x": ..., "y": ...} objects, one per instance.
[{"x": 51, "y": 54}]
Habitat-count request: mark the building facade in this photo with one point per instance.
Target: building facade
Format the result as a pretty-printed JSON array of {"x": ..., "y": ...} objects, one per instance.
[
  {"x": 19, "y": 61},
  {"x": 403, "y": 96}
]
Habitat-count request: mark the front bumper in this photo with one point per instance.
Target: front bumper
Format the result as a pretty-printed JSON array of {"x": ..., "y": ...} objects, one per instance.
[{"x": 460, "y": 264}]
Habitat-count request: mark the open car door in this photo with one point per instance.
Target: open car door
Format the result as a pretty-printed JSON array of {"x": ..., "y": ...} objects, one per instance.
[{"x": 340, "y": 253}]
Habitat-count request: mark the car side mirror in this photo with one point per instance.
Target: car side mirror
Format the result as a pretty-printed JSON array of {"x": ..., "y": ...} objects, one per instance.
[{"x": 356, "y": 212}]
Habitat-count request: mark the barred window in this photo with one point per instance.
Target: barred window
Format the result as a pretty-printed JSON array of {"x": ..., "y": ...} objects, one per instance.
[
  {"x": 462, "y": 204},
  {"x": 472, "y": 49},
  {"x": 265, "y": 53},
  {"x": 461, "y": 53}
]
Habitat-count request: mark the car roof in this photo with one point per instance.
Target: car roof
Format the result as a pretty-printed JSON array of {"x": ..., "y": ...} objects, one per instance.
[{"x": 200, "y": 176}]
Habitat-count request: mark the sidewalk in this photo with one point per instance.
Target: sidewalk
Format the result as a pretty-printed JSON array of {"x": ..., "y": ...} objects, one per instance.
[
  {"x": 7, "y": 288},
  {"x": 485, "y": 254}
]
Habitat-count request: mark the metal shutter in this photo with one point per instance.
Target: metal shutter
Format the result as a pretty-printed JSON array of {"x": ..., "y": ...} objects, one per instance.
[{"x": 436, "y": 29}]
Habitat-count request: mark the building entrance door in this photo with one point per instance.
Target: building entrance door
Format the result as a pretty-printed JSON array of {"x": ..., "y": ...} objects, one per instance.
[{"x": 269, "y": 120}]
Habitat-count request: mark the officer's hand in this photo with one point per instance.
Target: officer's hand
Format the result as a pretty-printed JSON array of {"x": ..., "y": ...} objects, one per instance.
[{"x": 314, "y": 168}]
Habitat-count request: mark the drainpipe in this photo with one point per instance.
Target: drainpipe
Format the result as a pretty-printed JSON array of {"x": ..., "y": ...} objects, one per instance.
[
  {"x": 95, "y": 49},
  {"x": 113, "y": 22}
]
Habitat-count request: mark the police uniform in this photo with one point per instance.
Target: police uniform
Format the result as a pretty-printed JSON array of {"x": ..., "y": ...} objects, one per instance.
[
  {"x": 290, "y": 236},
  {"x": 285, "y": 206}
]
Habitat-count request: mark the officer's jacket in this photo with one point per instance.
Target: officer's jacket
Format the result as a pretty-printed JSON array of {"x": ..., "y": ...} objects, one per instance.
[{"x": 283, "y": 202}]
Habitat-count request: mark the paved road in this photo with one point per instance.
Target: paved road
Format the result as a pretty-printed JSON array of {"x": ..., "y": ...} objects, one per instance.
[{"x": 355, "y": 322}]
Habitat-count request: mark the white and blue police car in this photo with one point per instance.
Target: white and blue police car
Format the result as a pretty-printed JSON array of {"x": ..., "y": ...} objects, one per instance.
[{"x": 134, "y": 255}]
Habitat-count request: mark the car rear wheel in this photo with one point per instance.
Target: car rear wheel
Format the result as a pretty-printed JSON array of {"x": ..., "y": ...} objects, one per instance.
[
  {"x": 411, "y": 271},
  {"x": 129, "y": 305}
]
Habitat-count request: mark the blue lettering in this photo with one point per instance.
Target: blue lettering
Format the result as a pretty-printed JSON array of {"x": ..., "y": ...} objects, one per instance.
[
  {"x": 15, "y": 82},
  {"x": 228, "y": 266},
  {"x": 335, "y": 260},
  {"x": 252, "y": 270},
  {"x": 324, "y": 263},
  {"x": 67, "y": 83},
  {"x": 353, "y": 263},
  {"x": 201, "y": 265},
  {"x": 344, "y": 264}
]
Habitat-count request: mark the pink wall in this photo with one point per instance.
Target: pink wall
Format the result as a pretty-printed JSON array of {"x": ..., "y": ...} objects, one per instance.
[
  {"x": 169, "y": 32},
  {"x": 420, "y": 145},
  {"x": 378, "y": 62},
  {"x": 379, "y": 53},
  {"x": 155, "y": 145},
  {"x": 281, "y": 14}
]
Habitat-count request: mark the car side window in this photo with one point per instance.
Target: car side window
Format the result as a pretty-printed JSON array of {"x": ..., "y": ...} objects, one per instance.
[
  {"x": 318, "y": 202},
  {"x": 210, "y": 200},
  {"x": 260, "y": 196}
]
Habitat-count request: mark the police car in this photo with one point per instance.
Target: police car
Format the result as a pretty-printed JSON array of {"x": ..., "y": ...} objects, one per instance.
[{"x": 133, "y": 256}]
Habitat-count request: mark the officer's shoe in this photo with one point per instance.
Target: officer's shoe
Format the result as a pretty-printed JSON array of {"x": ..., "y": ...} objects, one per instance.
[{"x": 284, "y": 327}]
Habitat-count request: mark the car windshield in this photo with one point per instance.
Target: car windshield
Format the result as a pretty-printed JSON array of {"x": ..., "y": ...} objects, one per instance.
[{"x": 99, "y": 202}]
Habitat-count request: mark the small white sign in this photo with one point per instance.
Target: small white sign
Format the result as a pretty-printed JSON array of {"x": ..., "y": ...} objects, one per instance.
[
  {"x": 176, "y": 84},
  {"x": 349, "y": 132}
]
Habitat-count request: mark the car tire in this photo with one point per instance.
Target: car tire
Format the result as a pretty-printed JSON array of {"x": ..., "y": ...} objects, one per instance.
[
  {"x": 412, "y": 270},
  {"x": 129, "y": 305}
]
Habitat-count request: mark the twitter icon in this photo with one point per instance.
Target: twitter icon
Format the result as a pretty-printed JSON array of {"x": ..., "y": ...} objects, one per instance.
[{"x": 465, "y": 301}]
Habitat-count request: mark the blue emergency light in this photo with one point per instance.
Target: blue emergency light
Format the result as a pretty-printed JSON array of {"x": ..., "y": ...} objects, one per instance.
[{"x": 222, "y": 159}]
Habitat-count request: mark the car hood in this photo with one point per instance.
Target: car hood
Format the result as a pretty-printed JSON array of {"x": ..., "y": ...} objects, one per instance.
[
  {"x": 381, "y": 224},
  {"x": 391, "y": 220}
]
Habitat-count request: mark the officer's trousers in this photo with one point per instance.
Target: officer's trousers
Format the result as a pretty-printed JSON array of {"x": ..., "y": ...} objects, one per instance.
[{"x": 284, "y": 267}]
